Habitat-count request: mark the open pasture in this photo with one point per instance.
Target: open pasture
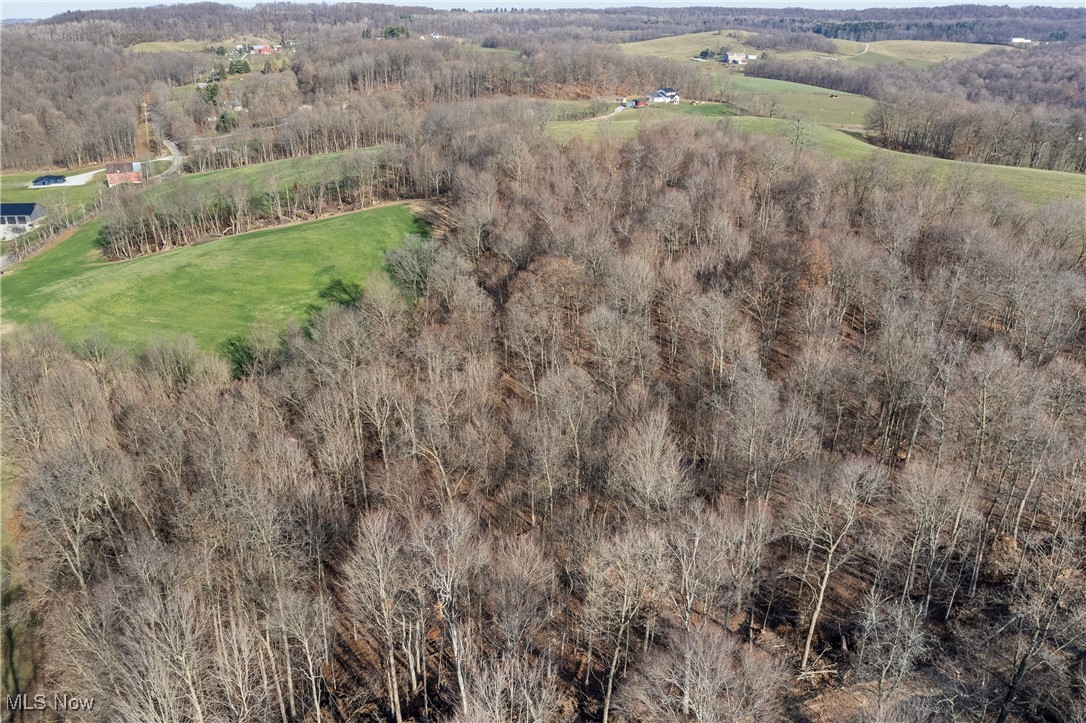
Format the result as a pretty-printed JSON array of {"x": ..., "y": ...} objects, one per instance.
[{"x": 213, "y": 291}]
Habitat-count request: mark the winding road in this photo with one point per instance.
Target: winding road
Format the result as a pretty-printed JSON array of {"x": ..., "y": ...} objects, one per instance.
[
  {"x": 867, "y": 46},
  {"x": 175, "y": 152}
]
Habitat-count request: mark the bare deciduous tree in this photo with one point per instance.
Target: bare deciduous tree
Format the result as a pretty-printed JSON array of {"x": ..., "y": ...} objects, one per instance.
[
  {"x": 824, "y": 521},
  {"x": 708, "y": 676},
  {"x": 649, "y": 470},
  {"x": 624, "y": 579},
  {"x": 373, "y": 588},
  {"x": 452, "y": 553},
  {"x": 892, "y": 640}
]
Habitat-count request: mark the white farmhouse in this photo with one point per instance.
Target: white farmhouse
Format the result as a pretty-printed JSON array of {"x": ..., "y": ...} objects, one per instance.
[{"x": 665, "y": 95}]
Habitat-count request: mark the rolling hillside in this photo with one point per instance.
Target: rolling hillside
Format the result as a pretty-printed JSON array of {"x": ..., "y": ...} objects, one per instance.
[
  {"x": 1034, "y": 185},
  {"x": 917, "y": 53},
  {"x": 212, "y": 291}
]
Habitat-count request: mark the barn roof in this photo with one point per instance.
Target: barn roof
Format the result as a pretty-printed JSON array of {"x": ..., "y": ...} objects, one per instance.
[{"x": 18, "y": 209}]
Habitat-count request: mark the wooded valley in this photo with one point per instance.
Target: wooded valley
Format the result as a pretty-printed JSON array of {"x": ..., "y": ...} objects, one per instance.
[{"x": 692, "y": 425}]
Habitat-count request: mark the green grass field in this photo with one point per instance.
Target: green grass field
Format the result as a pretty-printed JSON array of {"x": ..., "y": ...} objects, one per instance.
[
  {"x": 213, "y": 291},
  {"x": 156, "y": 167},
  {"x": 916, "y": 53},
  {"x": 777, "y": 98},
  {"x": 13, "y": 188},
  {"x": 701, "y": 110},
  {"x": 257, "y": 175},
  {"x": 682, "y": 47},
  {"x": 625, "y": 124},
  {"x": 919, "y": 53},
  {"x": 1035, "y": 186},
  {"x": 183, "y": 46}
]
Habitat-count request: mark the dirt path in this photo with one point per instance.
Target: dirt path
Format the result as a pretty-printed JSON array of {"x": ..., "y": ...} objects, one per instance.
[
  {"x": 867, "y": 46},
  {"x": 175, "y": 160},
  {"x": 175, "y": 152},
  {"x": 610, "y": 114}
]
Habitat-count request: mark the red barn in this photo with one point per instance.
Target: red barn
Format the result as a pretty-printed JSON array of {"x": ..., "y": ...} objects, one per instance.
[{"x": 118, "y": 173}]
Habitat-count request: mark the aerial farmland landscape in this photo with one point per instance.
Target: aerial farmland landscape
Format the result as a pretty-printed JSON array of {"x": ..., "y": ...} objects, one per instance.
[{"x": 553, "y": 362}]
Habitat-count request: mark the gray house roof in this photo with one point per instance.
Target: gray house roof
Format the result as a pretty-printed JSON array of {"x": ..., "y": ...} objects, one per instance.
[{"x": 33, "y": 211}]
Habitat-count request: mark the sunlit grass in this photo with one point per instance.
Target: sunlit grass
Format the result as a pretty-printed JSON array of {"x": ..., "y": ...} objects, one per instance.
[
  {"x": 213, "y": 291},
  {"x": 183, "y": 46},
  {"x": 763, "y": 96}
]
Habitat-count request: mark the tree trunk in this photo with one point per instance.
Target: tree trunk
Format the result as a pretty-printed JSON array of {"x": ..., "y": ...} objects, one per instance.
[
  {"x": 610, "y": 684},
  {"x": 818, "y": 607}
]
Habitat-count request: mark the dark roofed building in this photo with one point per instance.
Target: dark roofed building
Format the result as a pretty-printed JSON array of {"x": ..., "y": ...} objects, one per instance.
[
  {"x": 18, "y": 218},
  {"x": 48, "y": 180}
]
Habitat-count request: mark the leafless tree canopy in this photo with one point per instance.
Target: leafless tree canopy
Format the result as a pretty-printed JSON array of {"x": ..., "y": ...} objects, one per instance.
[{"x": 692, "y": 426}]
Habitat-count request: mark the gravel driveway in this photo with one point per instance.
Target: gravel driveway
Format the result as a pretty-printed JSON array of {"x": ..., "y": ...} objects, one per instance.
[{"x": 77, "y": 180}]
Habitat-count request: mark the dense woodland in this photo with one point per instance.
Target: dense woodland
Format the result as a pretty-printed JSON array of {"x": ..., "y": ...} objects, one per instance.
[
  {"x": 683, "y": 428},
  {"x": 694, "y": 426},
  {"x": 965, "y": 23},
  {"x": 75, "y": 102},
  {"x": 73, "y": 94}
]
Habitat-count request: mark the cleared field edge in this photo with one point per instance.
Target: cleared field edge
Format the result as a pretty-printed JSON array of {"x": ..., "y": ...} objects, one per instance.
[
  {"x": 918, "y": 53},
  {"x": 213, "y": 291},
  {"x": 1036, "y": 186}
]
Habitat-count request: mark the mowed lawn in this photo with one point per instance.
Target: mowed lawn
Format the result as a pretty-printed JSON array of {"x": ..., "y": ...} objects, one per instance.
[
  {"x": 764, "y": 96},
  {"x": 13, "y": 187},
  {"x": 213, "y": 291}
]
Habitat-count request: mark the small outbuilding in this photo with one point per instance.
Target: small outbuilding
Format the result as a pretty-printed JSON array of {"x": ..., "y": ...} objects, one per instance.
[{"x": 50, "y": 180}]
